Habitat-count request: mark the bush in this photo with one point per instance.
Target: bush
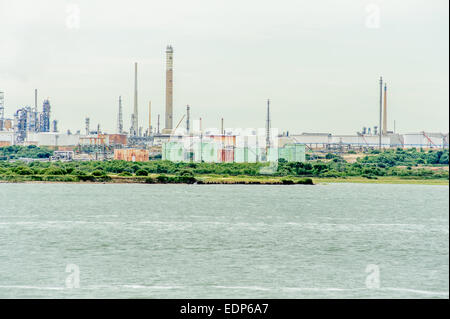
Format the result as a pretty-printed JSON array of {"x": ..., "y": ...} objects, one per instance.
[
  {"x": 54, "y": 171},
  {"x": 43, "y": 155},
  {"x": 185, "y": 179},
  {"x": 86, "y": 178},
  {"x": 287, "y": 182},
  {"x": 305, "y": 181},
  {"x": 98, "y": 173},
  {"x": 141, "y": 172},
  {"x": 162, "y": 179},
  {"x": 77, "y": 172},
  {"x": 104, "y": 178},
  {"x": 444, "y": 159},
  {"x": 59, "y": 178},
  {"x": 186, "y": 172},
  {"x": 17, "y": 151},
  {"x": 23, "y": 171},
  {"x": 125, "y": 173},
  {"x": 135, "y": 167},
  {"x": 149, "y": 180}
]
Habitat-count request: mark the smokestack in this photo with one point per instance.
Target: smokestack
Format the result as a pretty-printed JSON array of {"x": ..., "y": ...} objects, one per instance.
[
  {"x": 381, "y": 109},
  {"x": 188, "y": 119},
  {"x": 35, "y": 100},
  {"x": 119, "y": 117},
  {"x": 149, "y": 118},
  {"x": 2, "y": 110},
  {"x": 385, "y": 111},
  {"x": 221, "y": 127},
  {"x": 135, "y": 112},
  {"x": 158, "y": 131},
  {"x": 268, "y": 126},
  {"x": 169, "y": 89}
]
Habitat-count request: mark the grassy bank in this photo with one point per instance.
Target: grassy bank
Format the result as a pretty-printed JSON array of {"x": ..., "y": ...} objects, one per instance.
[
  {"x": 157, "y": 179},
  {"x": 214, "y": 179},
  {"x": 382, "y": 180}
]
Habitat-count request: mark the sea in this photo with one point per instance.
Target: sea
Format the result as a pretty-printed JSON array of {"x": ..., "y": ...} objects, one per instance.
[{"x": 223, "y": 241}]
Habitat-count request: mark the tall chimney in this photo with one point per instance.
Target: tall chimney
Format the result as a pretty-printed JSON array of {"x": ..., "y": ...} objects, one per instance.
[
  {"x": 268, "y": 126},
  {"x": 149, "y": 118},
  {"x": 135, "y": 112},
  {"x": 385, "y": 111},
  {"x": 169, "y": 89},
  {"x": 119, "y": 117},
  {"x": 35, "y": 100},
  {"x": 188, "y": 119},
  {"x": 381, "y": 110},
  {"x": 2, "y": 110},
  {"x": 158, "y": 131}
]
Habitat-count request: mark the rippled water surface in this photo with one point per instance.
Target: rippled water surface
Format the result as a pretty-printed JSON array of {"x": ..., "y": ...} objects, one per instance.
[{"x": 223, "y": 241}]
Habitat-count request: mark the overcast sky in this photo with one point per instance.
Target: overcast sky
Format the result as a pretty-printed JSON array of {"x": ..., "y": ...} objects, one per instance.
[{"x": 318, "y": 61}]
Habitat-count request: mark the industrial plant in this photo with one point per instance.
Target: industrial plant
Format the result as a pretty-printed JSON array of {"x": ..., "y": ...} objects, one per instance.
[{"x": 187, "y": 140}]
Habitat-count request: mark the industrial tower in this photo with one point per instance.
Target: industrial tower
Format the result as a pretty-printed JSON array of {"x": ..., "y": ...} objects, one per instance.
[
  {"x": 149, "y": 118},
  {"x": 268, "y": 127},
  {"x": 35, "y": 100},
  {"x": 169, "y": 89},
  {"x": 45, "y": 117},
  {"x": 87, "y": 122},
  {"x": 381, "y": 112},
  {"x": 119, "y": 118},
  {"x": 135, "y": 123},
  {"x": 2, "y": 110},
  {"x": 385, "y": 111},
  {"x": 188, "y": 120}
]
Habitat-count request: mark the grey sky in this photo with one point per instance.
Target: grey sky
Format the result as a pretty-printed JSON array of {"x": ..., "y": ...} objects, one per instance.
[{"x": 317, "y": 61}]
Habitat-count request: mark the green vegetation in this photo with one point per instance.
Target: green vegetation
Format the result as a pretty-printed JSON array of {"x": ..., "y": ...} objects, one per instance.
[
  {"x": 141, "y": 172},
  {"x": 409, "y": 164},
  {"x": 395, "y": 163},
  {"x": 410, "y": 157},
  {"x": 31, "y": 151}
]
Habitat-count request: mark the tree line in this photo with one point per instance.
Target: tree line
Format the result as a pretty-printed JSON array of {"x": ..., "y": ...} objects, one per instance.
[{"x": 410, "y": 163}]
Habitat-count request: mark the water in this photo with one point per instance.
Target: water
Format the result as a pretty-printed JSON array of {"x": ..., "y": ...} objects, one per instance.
[{"x": 224, "y": 241}]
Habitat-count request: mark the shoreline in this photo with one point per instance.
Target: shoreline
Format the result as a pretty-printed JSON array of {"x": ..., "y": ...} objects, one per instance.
[{"x": 226, "y": 180}]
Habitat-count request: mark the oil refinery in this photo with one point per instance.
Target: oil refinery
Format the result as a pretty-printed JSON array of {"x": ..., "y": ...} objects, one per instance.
[{"x": 188, "y": 141}]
